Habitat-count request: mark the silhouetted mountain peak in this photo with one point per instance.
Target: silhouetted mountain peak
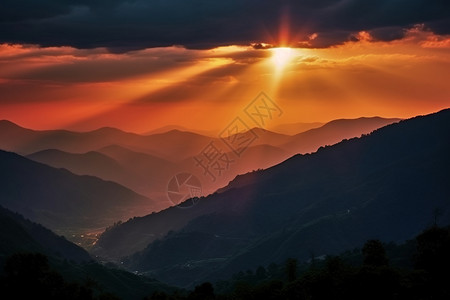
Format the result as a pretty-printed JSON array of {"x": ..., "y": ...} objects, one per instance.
[
  {"x": 260, "y": 130},
  {"x": 111, "y": 131},
  {"x": 6, "y": 125},
  {"x": 357, "y": 121},
  {"x": 56, "y": 153},
  {"x": 177, "y": 132},
  {"x": 168, "y": 128}
]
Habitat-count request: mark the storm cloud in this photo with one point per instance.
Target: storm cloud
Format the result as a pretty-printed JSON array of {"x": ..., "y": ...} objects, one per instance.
[{"x": 123, "y": 25}]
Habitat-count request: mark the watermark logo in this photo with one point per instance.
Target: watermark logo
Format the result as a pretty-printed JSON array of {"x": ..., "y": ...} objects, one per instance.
[
  {"x": 238, "y": 136},
  {"x": 215, "y": 159},
  {"x": 182, "y": 187},
  {"x": 262, "y": 109}
]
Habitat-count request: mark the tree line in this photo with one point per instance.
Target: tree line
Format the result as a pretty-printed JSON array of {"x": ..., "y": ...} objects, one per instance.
[{"x": 373, "y": 276}]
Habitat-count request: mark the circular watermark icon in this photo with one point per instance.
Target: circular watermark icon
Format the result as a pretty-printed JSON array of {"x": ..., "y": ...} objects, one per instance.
[{"x": 184, "y": 190}]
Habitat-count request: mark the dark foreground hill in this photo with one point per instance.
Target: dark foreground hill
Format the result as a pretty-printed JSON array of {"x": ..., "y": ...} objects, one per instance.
[
  {"x": 21, "y": 235},
  {"x": 31, "y": 253},
  {"x": 388, "y": 185},
  {"x": 414, "y": 270},
  {"x": 61, "y": 200}
]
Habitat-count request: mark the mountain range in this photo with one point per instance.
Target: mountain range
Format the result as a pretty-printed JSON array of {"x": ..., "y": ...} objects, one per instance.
[
  {"x": 146, "y": 163},
  {"x": 63, "y": 201},
  {"x": 388, "y": 185},
  {"x": 295, "y": 128}
]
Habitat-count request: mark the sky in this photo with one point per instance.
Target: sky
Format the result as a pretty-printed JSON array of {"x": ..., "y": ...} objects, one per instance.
[{"x": 139, "y": 65}]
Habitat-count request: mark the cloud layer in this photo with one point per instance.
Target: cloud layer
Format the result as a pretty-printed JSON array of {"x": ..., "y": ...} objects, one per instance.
[
  {"x": 83, "y": 89},
  {"x": 123, "y": 25}
]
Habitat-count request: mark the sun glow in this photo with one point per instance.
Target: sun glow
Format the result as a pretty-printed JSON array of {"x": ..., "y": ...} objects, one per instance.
[{"x": 281, "y": 56}]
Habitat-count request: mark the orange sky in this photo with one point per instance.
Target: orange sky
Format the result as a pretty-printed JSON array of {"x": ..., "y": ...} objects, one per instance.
[{"x": 64, "y": 87}]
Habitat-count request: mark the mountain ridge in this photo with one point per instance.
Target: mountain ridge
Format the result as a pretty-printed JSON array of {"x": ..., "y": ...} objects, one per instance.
[
  {"x": 20, "y": 234},
  {"x": 319, "y": 203},
  {"x": 72, "y": 201}
]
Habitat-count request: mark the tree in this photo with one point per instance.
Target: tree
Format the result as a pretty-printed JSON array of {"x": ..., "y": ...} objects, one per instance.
[
  {"x": 29, "y": 276},
  {"x": 272, "y": 270},
  {"x": 205, "y": 291},
  {"x": 291, "y": 269},
  {"x": 334, "y": 264},
  {"x": 374, "y": 254},
  {"x": 437, "y": 213},
  {"x": 433, "y": 248},
  {"x": 261, "y": 273},
  {"x": 158, "y": 295}
]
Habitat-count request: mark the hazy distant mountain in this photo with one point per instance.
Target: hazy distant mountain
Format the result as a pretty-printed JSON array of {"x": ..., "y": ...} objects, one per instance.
[
  {"x": 90, "y": 163},
  {"x": 146, "y": 164},
  {"x": 173, "y": 145},
  {"x": 137, "y": 171},
  {"x": 167, "y": 128},
  {"x": 295, "y": 128},
  {"x": 267, "y": 149},
  {"x": 25, "y": 141},
  {"x": 149, "y": 175},
  {"x": 253, "y": 158},
  {"x": 146, "y": 174},
  {"x": 265, "y": 137},
  {"x": 176, "y": 145},
  {"x": 128, "y": 157},
  {"x": 387, "y": 185},
  {"x": 20, "y": 235},
  {"x": 61, "y": 200},
  {"x": 334, "y": 132}
]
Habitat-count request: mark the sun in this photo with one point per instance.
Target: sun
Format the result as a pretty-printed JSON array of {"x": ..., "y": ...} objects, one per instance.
[{"x": 281, "y": 56}]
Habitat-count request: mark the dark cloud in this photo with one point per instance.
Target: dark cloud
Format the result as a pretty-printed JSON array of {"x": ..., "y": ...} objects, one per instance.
[
  {"x": 123, "y": 25},
  {"x": 83, "y": 67}
]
